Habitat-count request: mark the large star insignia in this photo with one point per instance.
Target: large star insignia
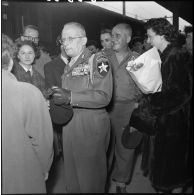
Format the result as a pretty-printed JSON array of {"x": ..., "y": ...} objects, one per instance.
[{"x": 103, "y": 67}]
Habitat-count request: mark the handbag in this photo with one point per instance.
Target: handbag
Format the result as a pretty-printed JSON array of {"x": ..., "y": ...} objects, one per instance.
[{"x": 143, "y": 118}]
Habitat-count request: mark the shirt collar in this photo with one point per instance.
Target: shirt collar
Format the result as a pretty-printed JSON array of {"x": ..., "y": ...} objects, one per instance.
[
  {"x": 26, "y": 69},
  {"x": 74, "y": 59},
  {"x": 65, "y": 60}
]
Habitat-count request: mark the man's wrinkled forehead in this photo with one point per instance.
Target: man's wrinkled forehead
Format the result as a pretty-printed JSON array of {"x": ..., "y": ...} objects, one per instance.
[
  {"x": 72, "y": 30},
  {"x": 121, "y": 29},
  {"x": 31, "y": 33}
]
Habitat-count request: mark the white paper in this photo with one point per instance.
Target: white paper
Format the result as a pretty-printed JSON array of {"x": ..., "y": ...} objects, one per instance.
[{"x": 145, "y": 71}]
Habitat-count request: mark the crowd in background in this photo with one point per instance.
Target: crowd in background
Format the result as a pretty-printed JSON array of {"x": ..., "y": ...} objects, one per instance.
[{"x": 78, "y": 102}]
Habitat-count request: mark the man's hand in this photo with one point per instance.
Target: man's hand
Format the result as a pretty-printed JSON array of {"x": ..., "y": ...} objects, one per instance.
[
  {"x": 48, "y": 93},
  {"x": 61, "y": 96}
]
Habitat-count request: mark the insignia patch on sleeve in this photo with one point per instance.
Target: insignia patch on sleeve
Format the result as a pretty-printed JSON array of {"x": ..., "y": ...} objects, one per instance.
[{"x": 102, "y": 65}]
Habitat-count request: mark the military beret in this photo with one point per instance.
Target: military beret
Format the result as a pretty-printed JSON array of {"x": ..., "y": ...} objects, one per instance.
[
  {"x": 129, "y": 139},
  {"x": 60, "y": 115}
]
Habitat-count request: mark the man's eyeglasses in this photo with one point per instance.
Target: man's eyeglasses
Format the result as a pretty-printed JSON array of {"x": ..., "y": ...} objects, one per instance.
[
  {"x": 68, "y": 39},
  {"x": 29, "y": 38}
]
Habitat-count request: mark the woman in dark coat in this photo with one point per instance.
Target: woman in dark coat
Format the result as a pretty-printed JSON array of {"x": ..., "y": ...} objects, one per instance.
[
  {"x": 167, "y": 155},
  {"x": 23, "y": 69}
]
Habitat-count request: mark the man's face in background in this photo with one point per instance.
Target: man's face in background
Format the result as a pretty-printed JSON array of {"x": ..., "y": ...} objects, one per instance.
[
  {"x": 106, "y": 40},
  {"x": 31, "y": 35}
]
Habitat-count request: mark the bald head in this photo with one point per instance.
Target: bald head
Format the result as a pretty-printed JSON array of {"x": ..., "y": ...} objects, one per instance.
[
  {"x": 124, "y": 27},
  {"x": 121, "y": 37}
]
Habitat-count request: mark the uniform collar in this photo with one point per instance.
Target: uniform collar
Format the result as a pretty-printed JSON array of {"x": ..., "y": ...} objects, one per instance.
[{"x": 83, "y": 57}]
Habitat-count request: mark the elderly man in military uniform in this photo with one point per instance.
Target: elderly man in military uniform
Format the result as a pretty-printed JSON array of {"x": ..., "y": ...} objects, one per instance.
[
  {"x": 125, "y": 96},
  {"x": 87, "y": 87}
]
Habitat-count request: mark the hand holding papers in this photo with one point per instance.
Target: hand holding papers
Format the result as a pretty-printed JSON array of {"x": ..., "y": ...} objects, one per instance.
[{"x": 146, "y": 71}]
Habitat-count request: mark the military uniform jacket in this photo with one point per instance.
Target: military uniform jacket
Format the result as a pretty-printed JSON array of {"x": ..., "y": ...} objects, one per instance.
[
  {"x": 125, "y": 88},
  {"x": 90, "y": 81}
]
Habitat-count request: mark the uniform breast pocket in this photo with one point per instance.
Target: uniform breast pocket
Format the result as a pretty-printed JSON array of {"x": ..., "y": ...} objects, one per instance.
[{"x": 79, "y": 83}]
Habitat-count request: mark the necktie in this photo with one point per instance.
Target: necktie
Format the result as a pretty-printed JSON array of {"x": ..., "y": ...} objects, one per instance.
[
  {"x": 29, "y": 76},
  {"x": 28, "y": 73}
]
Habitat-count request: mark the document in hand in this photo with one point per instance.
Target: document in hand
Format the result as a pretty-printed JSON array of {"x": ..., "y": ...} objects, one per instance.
[{"x": 146, "y": 71}]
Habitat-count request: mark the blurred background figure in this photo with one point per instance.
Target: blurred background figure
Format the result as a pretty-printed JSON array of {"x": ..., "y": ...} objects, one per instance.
[
  {"x": 106, "y": 39},
  {"x": 27, "y": 138},
  {"x": 137, "y": 45},
  {"x": 92, "y": 45},
  {"x": 189, "y": 38},
  {"x": 181, "y": 40},
  {"x": 31, "y": 33}
]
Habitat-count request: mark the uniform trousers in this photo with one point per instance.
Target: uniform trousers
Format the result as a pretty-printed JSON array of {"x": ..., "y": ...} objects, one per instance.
[
  {"x": 124, "y": 158},
  {"x": 85, "y": 142}
]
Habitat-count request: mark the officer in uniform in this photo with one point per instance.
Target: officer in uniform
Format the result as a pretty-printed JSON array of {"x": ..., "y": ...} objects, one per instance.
[
  {"x": 87, "y": 87},
  {"x": 125, "y": 96}
]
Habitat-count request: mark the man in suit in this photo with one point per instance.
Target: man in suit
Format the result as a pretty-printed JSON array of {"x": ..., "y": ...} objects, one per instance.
[{"x": 53, "y": 71}]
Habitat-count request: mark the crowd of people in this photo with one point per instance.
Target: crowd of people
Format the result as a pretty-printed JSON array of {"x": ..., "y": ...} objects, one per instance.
[{"x": 77, "y": 105}]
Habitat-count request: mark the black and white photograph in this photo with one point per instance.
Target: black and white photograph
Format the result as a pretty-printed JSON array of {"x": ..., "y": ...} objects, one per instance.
[{"x": 97, "y": 97}]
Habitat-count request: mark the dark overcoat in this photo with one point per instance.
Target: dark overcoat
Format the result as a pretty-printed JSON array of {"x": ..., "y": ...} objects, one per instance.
[
  {"x": 167, "y": 156},
  {"x": 36, "y": 79},
  {"x": 53, "y": 71}
]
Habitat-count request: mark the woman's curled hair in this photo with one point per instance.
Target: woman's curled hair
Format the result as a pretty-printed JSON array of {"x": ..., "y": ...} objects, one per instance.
[
  {"x": 20, "y": 43},
  {"x": 161, "y": 26}
]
